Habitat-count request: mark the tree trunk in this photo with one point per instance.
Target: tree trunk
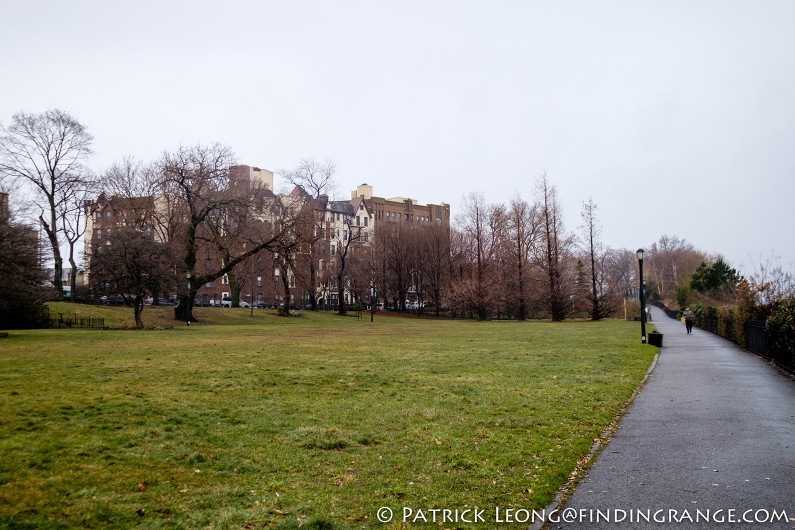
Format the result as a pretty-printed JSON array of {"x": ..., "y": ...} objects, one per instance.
[
  {"x": 340, "y": 294},
  {"x": 184, "y": 308},
  {"x": 286, "y": 283},
  {"x": 312, "y": 284},
  {"x": 73, "y": 274},
  {"x": 138, "y": 304},
  {"x": 57, "y": 260}
]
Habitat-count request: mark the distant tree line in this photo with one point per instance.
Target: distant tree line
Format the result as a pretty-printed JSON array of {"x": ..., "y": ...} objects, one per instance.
[{"x": 188, "y": 222}]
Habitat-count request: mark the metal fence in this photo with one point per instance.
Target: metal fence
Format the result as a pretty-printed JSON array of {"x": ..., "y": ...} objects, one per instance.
[
  {"x": 672, "y": 313},
  {"x": 74, "y": 321},
  {"x": 756, "y": 339}
]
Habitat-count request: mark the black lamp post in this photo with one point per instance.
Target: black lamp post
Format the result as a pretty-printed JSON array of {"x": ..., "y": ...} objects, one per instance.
[
  {"x": 187, "y": 298},
  {"x": 642, "y": 295},
  {"x": 372, "y": 302}
]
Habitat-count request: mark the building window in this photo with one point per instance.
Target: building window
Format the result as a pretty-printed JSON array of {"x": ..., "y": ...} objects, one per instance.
[
  {"x": 225, "y": 280},
  {"x": 358, "y": 221},
  {"x": 108, "y": 215},
  {"x": 99, "y": 233},
  {"x": 366, "y": 219},
  {"x": 259, "y": 281}
]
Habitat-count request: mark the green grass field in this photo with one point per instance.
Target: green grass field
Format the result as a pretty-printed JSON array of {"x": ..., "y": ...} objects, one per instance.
[{"x": 311, "y": 422}]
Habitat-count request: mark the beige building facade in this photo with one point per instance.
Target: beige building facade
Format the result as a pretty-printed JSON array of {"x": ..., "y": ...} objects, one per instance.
[{"x": 402, "y": 209}]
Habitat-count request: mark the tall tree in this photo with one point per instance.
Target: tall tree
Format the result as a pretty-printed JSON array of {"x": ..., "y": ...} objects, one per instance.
[
  {"x": 132, "y": 264},
  {"x": 602, "y": 304},
  {"x": 314, "y": 177},
  {"x": 435, "y": 252},
  {"x": 770, "y": 282},
  {"x": 196, "y": 181},
  {"x": 669, "y": 260},
  {"x": 522, "y": 235},
  {"x": 393, "y": 245},
  {"x": 716, "y": 279},
  {"x": 48, "y": 151},
  {"x": 315, "y": 183},
  {"x": 481, "y": 225},
  {"x": 23, "y": 295},
  {"x": 132, "y": 188},
  {"x": 554, "y": 251},
  {"x": 344, "y": 242},
  {"x": 72, "y": 218}
]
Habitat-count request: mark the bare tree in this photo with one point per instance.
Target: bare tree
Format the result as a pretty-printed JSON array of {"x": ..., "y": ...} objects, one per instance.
[
  {"x": 393, "y": 245},
  {"x": 554, "y": 251},
  {"x": 315, "y": 183},
  {"x": 132, "y": 188},
  {"x": 481, "y": 224},
  {"x": 196, "y": 179},
  {"x": 602, "y": 301},
  {"x": 770, "y": 282},
  {"x": 72, "y": 216},
  {"x": 460, "y": 266},
  {"x": 669, "y": 260},
  {"x": 132, "y": 265},
  {"x": 48, "y": 151},
  {"x": 316, "y": 178},
  {"x": 23, "y": 295},
  {"x": 344, "y": 242},
  {"x": 522, "y": 235},
  {"x": 621, "y": 270},
  {"x": 435, "y": 252}
]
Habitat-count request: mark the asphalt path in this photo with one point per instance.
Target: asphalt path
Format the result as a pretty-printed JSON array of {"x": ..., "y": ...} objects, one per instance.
[{"x": 710, "y": 436}]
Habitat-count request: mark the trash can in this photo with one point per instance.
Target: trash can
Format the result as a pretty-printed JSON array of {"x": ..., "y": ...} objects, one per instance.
[{"x": 655, "y": 339}]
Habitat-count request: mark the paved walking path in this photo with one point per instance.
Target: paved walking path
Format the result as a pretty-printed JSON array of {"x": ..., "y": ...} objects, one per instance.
[{"x": 712, "y": 429}]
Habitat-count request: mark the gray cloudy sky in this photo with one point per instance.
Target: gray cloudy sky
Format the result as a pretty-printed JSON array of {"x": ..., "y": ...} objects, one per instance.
[{"x": 676, "y": 117}]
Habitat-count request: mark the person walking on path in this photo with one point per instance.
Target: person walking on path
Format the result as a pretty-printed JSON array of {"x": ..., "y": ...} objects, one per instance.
[
  {"x": 688, "y": 314},
  {"x": 709, "y": 437}
]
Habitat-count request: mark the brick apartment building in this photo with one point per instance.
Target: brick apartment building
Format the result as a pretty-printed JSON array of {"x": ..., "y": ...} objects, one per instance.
[{"x": 259, "y": 280}]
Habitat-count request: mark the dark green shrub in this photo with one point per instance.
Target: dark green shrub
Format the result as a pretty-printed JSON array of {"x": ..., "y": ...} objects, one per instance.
[{"x": 781, "y": 328}]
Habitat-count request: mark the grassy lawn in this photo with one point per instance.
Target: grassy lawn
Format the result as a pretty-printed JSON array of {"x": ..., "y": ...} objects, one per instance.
[{"x": 312, "y": 422}]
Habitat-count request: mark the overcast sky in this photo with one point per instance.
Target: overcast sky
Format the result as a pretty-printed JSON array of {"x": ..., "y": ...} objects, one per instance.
[{"x": 675, "y": 117}]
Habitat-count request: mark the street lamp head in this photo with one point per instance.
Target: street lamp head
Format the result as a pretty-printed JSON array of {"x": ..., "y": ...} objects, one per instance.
[{"x": 640, "y": 254}]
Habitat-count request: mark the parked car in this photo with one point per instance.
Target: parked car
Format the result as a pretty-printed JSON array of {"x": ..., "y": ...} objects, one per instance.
[
  {"x": 115, "y": 299},
  {"x": 243, "y": 303},
  {"x": 224, "y": 302}
]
